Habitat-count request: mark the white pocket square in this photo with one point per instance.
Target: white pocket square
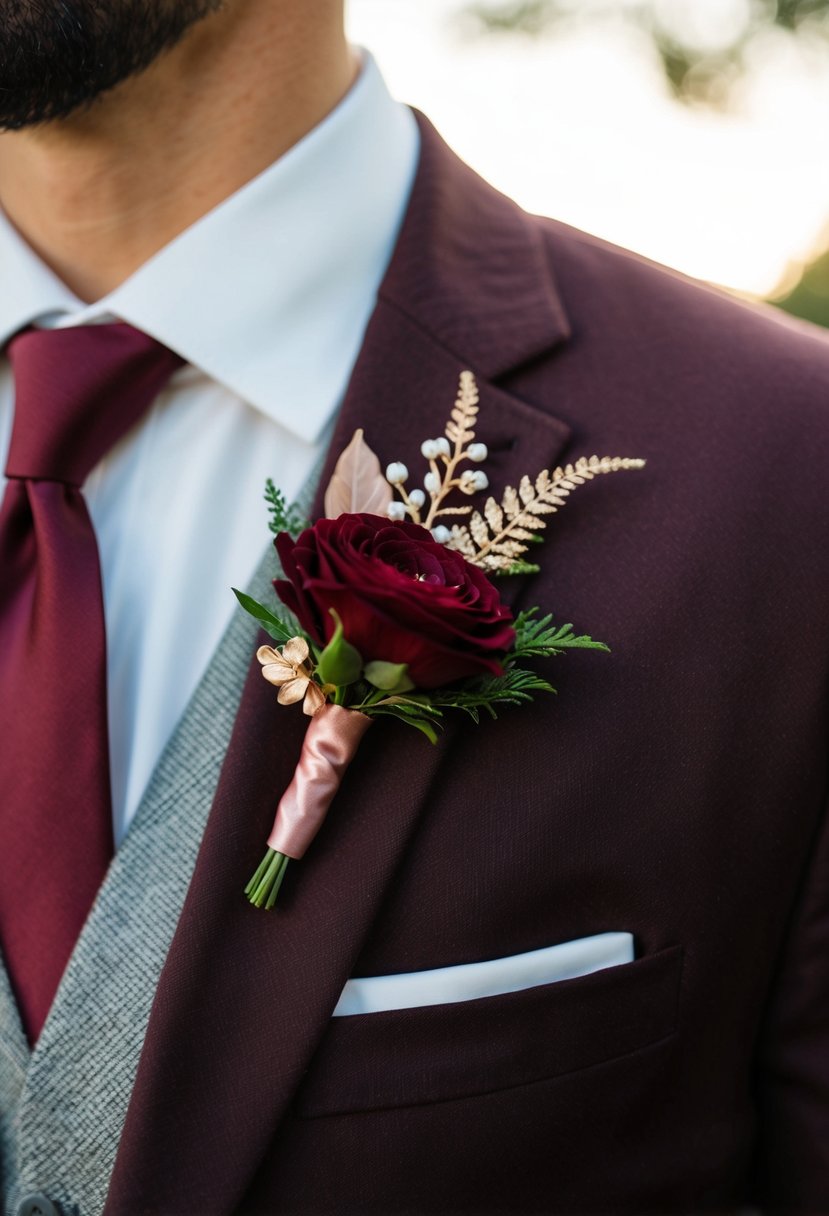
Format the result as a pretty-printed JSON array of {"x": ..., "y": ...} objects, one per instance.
[{"x": 469, "y": 981}]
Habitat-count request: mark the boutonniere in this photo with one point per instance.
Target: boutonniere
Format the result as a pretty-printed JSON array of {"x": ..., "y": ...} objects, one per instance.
[{"x": 389, "y": 608}]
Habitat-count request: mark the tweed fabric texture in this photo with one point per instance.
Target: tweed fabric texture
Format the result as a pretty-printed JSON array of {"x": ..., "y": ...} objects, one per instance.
[
  {"x": 14, "y": 1060},
  {"x": 62, "y": 1109}
]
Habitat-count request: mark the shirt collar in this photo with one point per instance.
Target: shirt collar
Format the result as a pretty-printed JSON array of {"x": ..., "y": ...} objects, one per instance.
[{"x": 270, "y": 292}]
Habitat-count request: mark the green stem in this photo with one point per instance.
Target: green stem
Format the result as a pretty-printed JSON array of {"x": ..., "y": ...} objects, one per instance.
[
  {"x": 263, "y": 888},
  {"x": 257, "y": 878},
  {"x": 373, "y": 698}
]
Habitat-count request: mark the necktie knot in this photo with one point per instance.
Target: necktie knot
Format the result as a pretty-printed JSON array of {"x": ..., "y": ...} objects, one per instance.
[{"x": 77, "y": 392}]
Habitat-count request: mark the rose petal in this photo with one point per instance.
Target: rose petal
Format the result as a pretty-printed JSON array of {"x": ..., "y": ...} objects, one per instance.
[{"x": 401, "y": 596}]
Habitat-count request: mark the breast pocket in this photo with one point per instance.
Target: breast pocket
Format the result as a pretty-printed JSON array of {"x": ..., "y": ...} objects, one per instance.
[{"x": 406, "y": 1057}]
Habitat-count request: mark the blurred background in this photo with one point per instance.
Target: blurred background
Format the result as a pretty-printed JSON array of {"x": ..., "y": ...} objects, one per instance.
[{"x": 688, "y": 130}]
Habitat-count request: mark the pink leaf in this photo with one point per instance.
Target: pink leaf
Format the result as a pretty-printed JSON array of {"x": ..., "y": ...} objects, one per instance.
[{"x": 357, "y": 483}]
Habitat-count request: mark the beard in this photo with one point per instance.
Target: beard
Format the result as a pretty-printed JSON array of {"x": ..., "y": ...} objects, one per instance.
[{"x": 58, "y": 56}]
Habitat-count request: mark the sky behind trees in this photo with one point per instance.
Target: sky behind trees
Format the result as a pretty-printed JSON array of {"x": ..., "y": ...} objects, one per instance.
[
  {"x": 707, "y": 47},
  {"x": 689, "y": 130}
]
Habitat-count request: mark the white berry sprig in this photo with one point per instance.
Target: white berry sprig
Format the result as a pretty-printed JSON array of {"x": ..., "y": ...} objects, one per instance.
[
  {"x": 497, "y": 538},
  {"x": 445, "y": 456}
]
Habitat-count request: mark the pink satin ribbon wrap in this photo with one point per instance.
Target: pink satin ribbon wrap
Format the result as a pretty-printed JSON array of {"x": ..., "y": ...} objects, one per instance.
[{"x": 330, "y": 744}]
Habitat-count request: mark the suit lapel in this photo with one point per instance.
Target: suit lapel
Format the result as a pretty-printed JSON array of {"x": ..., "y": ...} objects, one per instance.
[{"x": 245, "y": 996}]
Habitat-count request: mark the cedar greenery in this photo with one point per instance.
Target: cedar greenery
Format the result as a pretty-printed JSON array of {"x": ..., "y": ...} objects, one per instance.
[
  {"x": 283, "y": 517},
  {"x": 535, "y": 637}
]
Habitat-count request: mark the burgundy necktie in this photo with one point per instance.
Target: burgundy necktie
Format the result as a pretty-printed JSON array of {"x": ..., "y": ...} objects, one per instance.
[{"x": 77, "y": 392}]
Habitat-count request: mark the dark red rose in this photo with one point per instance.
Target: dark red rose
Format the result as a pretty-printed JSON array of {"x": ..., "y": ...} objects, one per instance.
[{"x": 400, "y": 595}]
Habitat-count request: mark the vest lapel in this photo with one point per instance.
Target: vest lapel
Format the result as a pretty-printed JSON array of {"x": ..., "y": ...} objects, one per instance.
[
  {"x": 244, "y": 996},
  {"x": 74, "y": 1089},
  {"x": 14, "y": 1060}
]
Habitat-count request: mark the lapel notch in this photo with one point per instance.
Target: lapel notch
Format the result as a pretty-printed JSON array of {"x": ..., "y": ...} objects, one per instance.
[{"x": 470, "y": 268}]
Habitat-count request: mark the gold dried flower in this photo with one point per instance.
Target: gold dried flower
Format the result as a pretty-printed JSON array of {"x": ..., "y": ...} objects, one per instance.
[{"x": 288, "y": 671}]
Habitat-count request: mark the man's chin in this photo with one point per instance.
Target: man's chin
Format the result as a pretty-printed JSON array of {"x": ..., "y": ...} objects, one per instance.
[{"x": 56, "y": 64}]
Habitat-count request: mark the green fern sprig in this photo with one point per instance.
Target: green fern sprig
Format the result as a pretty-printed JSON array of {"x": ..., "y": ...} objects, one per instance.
[
  {"x": 537, "y": 637},
  {"x": 283, "y": 517},
  {"x": 515, "y": 686},
  {"x": 484, "y": 695}
]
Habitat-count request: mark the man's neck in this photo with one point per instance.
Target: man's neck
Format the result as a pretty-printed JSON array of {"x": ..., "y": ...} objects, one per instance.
[{"x": 98, "y": 194}]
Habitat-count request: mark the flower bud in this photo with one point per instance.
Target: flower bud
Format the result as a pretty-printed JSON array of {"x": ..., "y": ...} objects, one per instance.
[
  {"x": 396, "y": 511},
  {"x": 417, "y": 498},
  {"x": 441, "y": 534},
  {"x": 443, "y": 446},
  {"x": 472, "y": 482},
  {"x": 396, "y": 473},
  {"x": 477, "y": 452},
  {"x": 430, "y": 449},
  {"x": 432, "y": 482}
]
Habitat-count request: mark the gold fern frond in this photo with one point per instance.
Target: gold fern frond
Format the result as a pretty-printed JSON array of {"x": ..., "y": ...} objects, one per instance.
[
  {"x": 460, "y": 429},
  {"x": 496, "y": 538},
  {"x": 461, "y": 541}
]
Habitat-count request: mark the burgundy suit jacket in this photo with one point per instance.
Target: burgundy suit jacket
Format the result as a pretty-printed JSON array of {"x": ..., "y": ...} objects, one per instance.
[{"x": 673, "y": 789}]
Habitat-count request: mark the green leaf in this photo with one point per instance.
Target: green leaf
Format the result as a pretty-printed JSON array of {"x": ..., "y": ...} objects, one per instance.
[
  {"x": 389, "y": 677},
  {"x": 422, "y": 724},
  {"x": 419, "y": 703},
  {"x": 339, "y": 664},
  {"x": 273, "y": 625}
]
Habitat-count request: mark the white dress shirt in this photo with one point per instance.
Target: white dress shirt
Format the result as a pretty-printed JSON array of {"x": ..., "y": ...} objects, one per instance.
[{"x": 266, "y": 298}]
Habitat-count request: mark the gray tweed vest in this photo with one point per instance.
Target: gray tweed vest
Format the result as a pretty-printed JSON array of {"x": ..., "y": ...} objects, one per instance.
[{"x": 62, "y": 1106}]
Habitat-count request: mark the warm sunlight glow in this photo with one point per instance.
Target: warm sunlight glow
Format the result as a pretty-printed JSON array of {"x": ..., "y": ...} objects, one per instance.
[{"x": 581, "y": 126}]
